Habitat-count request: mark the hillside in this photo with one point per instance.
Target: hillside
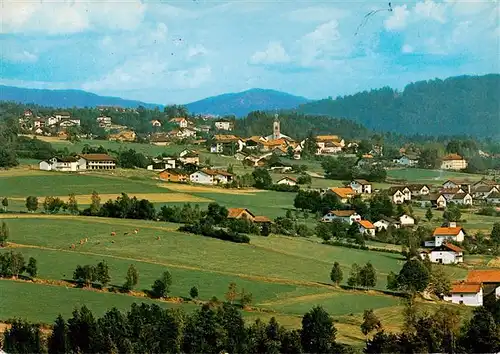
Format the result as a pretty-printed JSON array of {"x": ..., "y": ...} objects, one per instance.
[
  {"x": 241, "y": 103},
  {"x": 465, "y": 105},
  {"x": 64, "y": 98}
]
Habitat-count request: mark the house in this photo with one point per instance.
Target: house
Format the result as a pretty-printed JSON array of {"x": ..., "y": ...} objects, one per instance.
[
  {"x": 224, "y": 124},
  {"x": 63, "y": 164},
  {"x": 183, "y": 133},
  {"x": 487, "y": 182},
  {"x": 66, "y": 123},
  {"x": 254, "y": 142},
  {"x": 493, "y": 198},
  {"x": 62, "y": 115},
  {"x": 289, "y": 181},
  {"x": 453, "y": 162},
  {"x": 164, "y": 163},
  {"x": 203, "y": 128},
  {"x": 436, "y": 200},
  {"x": 96, "y": 162},
  {"x": 226, "y": 142},
  {"x": 39, "y": 123},
  {"x": 104, "y": 122},
  {"x": 347, "y": 216},
  {"x": 160, "y": 139},
  {"x": 482, "y": 192},
  {"x": 490, "y": 278},
  {"x": 447, "y": 253},
  {"x": 181, "y": 122},
  {"x": 240, "y": 213},
  {"x": 419, "y": 189},
  {"x": 329, "y": 144},
  {"x": 385, "y": 223},
  {"x": 213, "y": 177},
  {"x": 366, "y": 228},
  {"x": 259, "y": 219},
  {"x": 466, "y": 293},
  {"x": 450, "y": 233},
  {"x": 406, "y": 160},
  {"x": 406, "y": 220},
  {"x": 449, "y": 193},
  {"x": 156, "y": 123},
  {"x": 173, "y": 175},
  {"x": 189, "y": 157},
  {"x": 361, "y": 186},
  {"x": 465, "y": 185},
  {"x": 397, "y": 196},
  {"x": 28, "y": 113},
  {"x": 344, "y": 194},
  {"x": 461, "y": 199},
  {"x": 126, "y": 135}
]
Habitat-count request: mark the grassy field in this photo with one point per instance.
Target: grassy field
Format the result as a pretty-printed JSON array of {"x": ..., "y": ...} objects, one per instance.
[{"x": 417, "y": 175}]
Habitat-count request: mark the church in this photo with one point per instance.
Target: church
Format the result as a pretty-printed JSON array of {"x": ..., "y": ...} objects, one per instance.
[{"x": 277, "y": 131}]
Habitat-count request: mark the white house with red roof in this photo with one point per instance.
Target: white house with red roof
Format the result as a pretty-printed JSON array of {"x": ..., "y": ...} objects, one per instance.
[
  {"x": 447, "y": 253},
  {"x": 466, "y": 293},
  {"x": 289, "y": 181},
  {"x": 366, "y": 228},
  {"x": 348, "y": 216},
  {"x": 445, "y": 234}
]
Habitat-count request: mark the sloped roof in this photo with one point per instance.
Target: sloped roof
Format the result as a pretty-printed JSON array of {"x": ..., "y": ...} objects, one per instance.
[
  {"x": 493, "y": 195},
  {"x": 366, "y": 224},
  {"x": 343, "y": 213},
  {"x": 327, "y": 138},
  {"x": 97, "y": 157},
  {"x": 447, "y": 231},
  {"x": 484, "y": 189},
  {"x": 216, "y": 172},
  {"x": 452, "y": 157},
  {"x": 290, "y": 178},
  {"x": 452, "y": 247},
  {"x": 177, "y": 120},
  {"x": 363, "y": 182},
  {"x": 235, "y": 212},
  {"x": 484, "y": 276},
  {"x": 67, "y": 159},
  {"x": 225, "y": 138},
  {"x": 466, "y": 288},
  {"x": 460, "y": 196},
  {"x": 261, "y": 218},
  {"x": 416, "y": 187},
  {"x": 344, "y": 192},
  {"x": 174, "y": 171}
]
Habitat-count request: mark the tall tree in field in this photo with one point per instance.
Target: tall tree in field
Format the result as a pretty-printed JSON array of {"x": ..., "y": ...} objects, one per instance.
[
  {"x": 4, "y": 234},
  {"x": 132, "y": 278},
  {"x": 231, "y": 293},
  {"x": 58, "y": 339},
  {"x": 5, "y": 203},
  {"x": 354, "y": 276},
  {"x": 370, "y": 322},
  {"x": 440, "y": 283},
  {"x": 428, "y": 214},
  {"x": 368, "y": 276},
  {"x": 481, "y": 334},
  {"x": 414, "y": 277},
  {"x": 72, "y": 204},
  {"x": 193, "y": 293},
  {"x": 318, "y": 332},
  {"x": 95, "y": 204},
  {"x": 32, "y": 203},
  {"x": 161, "y": 287},
  {"x": 32, "y": 268},
  {"x": 336, "y": 275},
  {"x": 102, "y": 273},
  {"x": 262, "y": 178}
]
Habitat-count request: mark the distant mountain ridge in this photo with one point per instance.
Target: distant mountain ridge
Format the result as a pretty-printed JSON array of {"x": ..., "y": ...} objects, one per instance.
[
  {"x": 462, "y": 105},
  {"x": 65, "y": 98},
  {"x": 242, "y": 103}
]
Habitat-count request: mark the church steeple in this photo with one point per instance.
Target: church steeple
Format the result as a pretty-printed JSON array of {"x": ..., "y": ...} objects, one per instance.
[{"x": 276, "y": 128}]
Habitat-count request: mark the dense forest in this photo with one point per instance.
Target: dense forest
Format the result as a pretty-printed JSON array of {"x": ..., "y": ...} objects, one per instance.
[{"x": 466, "y": 105}]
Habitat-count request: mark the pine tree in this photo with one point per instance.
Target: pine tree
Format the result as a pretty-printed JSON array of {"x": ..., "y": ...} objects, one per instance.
[
  {"x": 370, "y": 322},
  {"x": 58, "y": 340},
  {"x": 32, "y": 268},
  {"x": 102, "y": 273},
  {"x": 95, "y": 204},
  {"x": 161, "y": 286},
  {"x": 193, "y": 292},
  {"x": 428, "y": 214},
  {"x": 336, "y": 274}
]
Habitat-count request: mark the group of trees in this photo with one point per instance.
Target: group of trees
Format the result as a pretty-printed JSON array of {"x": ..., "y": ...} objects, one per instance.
[
  {"x": 13, "y": 265},
  {"x": 365, "y": 276},
  {"x": 213, "y": 328},
  {"x": 89, "y": 274},
  {"x": 340, "y": 231},
  {"x": 347, "y": 168}
]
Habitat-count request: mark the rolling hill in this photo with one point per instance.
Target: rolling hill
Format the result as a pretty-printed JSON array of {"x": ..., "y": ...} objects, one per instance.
[
  {"x": 242, "y": 103},
  {"x": 64, "y": 98},
  {"x": 464, "y": 105}
]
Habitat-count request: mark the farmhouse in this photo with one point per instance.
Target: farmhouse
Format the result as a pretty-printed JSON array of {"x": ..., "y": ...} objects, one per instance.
[
  {"x": 490, "y": 278},
  {"x": 486, "y": 182},
  {"x": 96, "y": 162},
  {"x": 64, "y": 164},
  {"x": 164, "y": 163},
  {"x": 482, "y": 192},
  {"x": 62, "y": 115},
  {"x": 466, "y": 293},
  {"x": 361, "y": 186},
  {"x": 453, "y": 162},
  {"x": 385, "y": 223},
  {"x": 465, "y": 185},
  {"x": 182, "y": 133},
  {"x": 240, "y": 213},
  {"x": 224, "y": 124},
  {"x": 399, "y": 194},
  {"x": 66, "y": 123},
  {"x": 449, "y": 193},
  {"x": 180, "y": 122},
  {"x": 173, "y": 175},
  {"x": 213, "y": 177},
  {"x": 344, "y": 194},
  {"x": 437, "y": 200},
  {"x": 447, "y": 253},
  {"x": 347, "y": 216},
  {"x": 406, "y": 220},
  {"x": 289, "y": 181},
  {"x": 451, "y": 233},
  {"x": 329, "y": 144},
  {"x": 366, "y": 228},
  {"x": 189, "y": 157}
]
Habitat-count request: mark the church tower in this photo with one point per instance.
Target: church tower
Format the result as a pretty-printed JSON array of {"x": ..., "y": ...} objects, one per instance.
[{"x": 276, "y": 128}]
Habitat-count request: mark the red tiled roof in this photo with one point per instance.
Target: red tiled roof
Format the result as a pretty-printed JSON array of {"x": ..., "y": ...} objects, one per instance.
[
  {"x": 343, "y": 192},
  {"x": 452, "y": 157},
  {"x": 453, "y": 247},
  {"x": 261, "y": 218},
  {"x": 466, "y": 287},
  {"x": 286, "y": 177},
  {"x": 447, "y": 231},
  {"x": 366, "y": 224},
  {"x": 236, "y": 212},
  {"x": 484, "y": 276}
]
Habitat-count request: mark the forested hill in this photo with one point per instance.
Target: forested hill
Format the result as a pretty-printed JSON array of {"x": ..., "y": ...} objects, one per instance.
[{"x": 464, "y": 105}]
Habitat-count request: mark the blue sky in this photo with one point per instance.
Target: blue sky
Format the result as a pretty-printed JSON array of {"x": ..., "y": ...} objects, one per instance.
[{"x": 181, "y": 51}]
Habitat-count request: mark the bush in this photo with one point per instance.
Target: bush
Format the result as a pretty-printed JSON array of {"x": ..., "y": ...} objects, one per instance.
[
  {"x": 284, "y": 188},
  {"x": 210, "y": 231}
]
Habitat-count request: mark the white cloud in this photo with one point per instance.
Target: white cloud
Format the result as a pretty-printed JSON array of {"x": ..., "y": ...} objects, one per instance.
[
  {"x": 432, "y": 10},
  {"x": 273, "y": 54},
  {"x": 398, "y": 19},
  {"x": 407, "y": 49},
  {"x": 21, "y": 56},
  {"x": 69, "y": 16}
]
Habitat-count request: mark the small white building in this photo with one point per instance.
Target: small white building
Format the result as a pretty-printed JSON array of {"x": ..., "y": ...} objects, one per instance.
[
  {"x": 405, "y": 160},
  {"x": 180, "y": 121},
  {"x": 406, "y": 220},
  {"x": 385, "y": 223},
  {"x": 419, "y": 189},
  {"x": 461, "y": 199},
  {"x": 469, "y": 294},
  {"x": 103, "y": 121},
  {"x": 397, "y": 196},
  {"x": 361, "y": 186},
  {"x": 447, "y": 253},
  {"x": 156, "y": 123},
  {"x": 366, "y": 228},
  {"x": 289, "y": 181},
  {"x": 451, "y": 233},
  {"x": 212, "y": 177},
  {"x": 64, "y": 164},
  {"x": 453, "y": 162},
  {"x": 347, "y": 216},
  {"x": 165, "y": 163},
  {"x": 224, "y": 125}
]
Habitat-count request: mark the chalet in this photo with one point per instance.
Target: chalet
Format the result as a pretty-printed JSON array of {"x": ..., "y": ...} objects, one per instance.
[
  {"x": 361, "y": 186},
  {"x": 96, "y": 162},
  {"x": 385, "y": 223},
  {"x": 165, "y": 163},
  {"x": 63, "y": 164},
  {"x": 465, "y": 185},
  {"x": 453, "y": 162},
  {"x": 366, "y": 228},
  {"x": 180, "y": 122},
  {"x": 28, "y": 113},
  {"x": 155, "y": 123},
  {"x": 224, "y": 124},
  {"x": 240, "y": 213},
  {"x": 490, "y": 278},
  {"x": 419, "y": 189},
  {"x": 39, "y": 123},
  {"x": 344, "y": 194},
  {"x": 482, "y": 192},
  {"x": 436, "y": 200},
  {"x": 466, "y": 293},
  {"x": 406, "y": 160},
  {"x": 493, "y": 198},
  {"x": 213, "y": 177},
  {"x": 406, "y": 220},
  {"x": 272, "y": 144},
  {"x": 452, "y": 233},
  {"x": 203, "y": 128},
  {"x": 447, "y": 253},
  {"x": 289, "y": 181},
  {"x": 259, "y": 219},
  {"x": 189, "y": 157},
  {"x": 173, "y": 175},
  {"x": 103, "y": 121},
  {"x": 126, "y": 135},
  {"x": 226, "y": 142},
  {"x": 449, "y": 193},
  {"x": 278, "y": 166},
  {"x": 461, "y": 199},
  {"x": 347, "y": 216},
  {"x": 160, "y": 139}
]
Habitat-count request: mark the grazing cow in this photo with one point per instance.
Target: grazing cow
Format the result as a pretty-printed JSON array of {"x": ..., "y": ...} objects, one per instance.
[
  {"x": 113, "y": 233},
  {"x": 81, "y": 242},
  {"x": 72, "y": 246},
  {"x": 86, "y": 240},
  {"x": 112, "y": 241},
  {"x": 136, "y": 230},
  {"x": 125, "y": 233}
]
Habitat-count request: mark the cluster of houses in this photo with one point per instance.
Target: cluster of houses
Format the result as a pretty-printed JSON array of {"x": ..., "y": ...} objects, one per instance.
[
  {"x": 57, "y": 123},
  {"x": 453, "y": 162},
  {"x": 480, "y": 284}
]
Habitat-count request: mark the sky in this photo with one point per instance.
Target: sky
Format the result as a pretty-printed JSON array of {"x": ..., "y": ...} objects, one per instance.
[{"x": 180, "y": 51}]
